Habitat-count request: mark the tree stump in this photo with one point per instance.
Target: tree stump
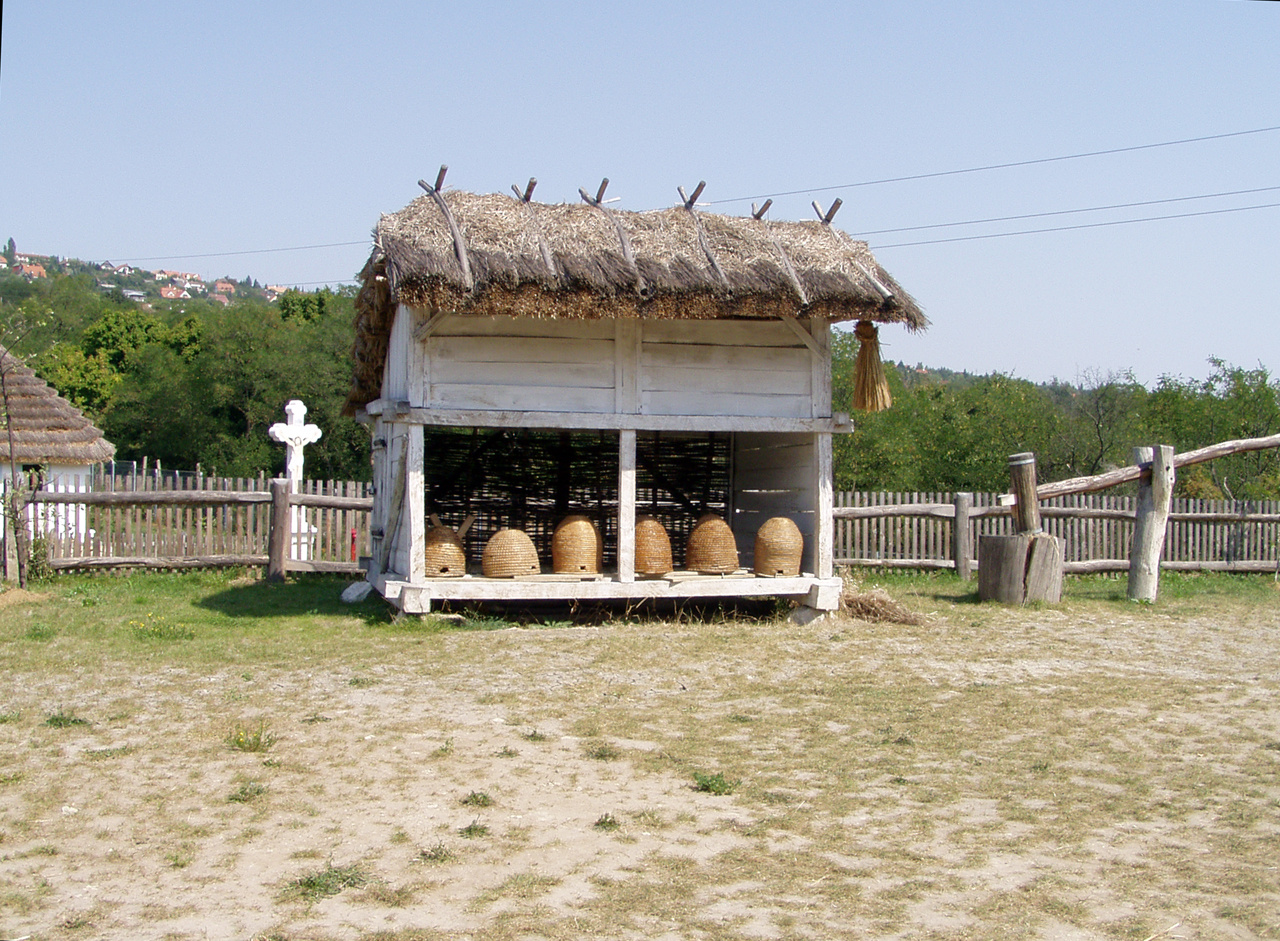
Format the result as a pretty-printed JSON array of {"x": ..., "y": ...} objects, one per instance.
[
  {"x": 1028, "y": 566},
  {"x": 1021, "y": 568}
]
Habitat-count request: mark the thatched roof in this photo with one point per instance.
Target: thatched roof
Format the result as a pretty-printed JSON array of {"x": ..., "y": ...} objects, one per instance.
[
  {"x": 47, "y": 429},
  {"x": 588, "y": 262}
]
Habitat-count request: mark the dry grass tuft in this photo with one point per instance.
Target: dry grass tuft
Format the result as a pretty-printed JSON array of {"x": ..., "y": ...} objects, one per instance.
[{"x": 877, "y": 606}]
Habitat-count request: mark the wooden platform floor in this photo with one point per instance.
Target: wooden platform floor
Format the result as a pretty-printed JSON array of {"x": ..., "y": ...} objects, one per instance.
[{"x": 416, "y": 597}]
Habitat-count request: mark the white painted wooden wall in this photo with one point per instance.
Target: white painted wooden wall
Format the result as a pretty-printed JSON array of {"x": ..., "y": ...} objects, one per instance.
[{"x": 755, "y": 368}]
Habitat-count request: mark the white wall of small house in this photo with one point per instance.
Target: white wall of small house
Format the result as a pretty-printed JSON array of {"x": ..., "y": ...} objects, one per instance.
[{"x": 54, "y": 519}]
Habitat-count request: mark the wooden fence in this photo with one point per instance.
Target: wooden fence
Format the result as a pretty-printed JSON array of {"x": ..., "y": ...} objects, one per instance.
[
  {"x": 915, "y": 530},
  {"x": 191, "y": 521},
  {"x": 171, "y": 521}
]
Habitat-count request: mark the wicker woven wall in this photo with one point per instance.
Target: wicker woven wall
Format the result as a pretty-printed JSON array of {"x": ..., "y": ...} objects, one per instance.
[{"x": 531, "y": 479}]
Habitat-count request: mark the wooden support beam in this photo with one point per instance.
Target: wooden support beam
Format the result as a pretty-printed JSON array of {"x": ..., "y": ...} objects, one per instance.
[
  {"x": 824, "y": 500},
  {"x": 626, "y": 506},
  {"x": 798, "y": 329},
  {"x": 1155, "y": 492}
]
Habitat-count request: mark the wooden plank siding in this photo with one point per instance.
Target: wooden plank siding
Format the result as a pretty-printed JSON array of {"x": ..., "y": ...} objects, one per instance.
[{"x": 714, "y": 368}]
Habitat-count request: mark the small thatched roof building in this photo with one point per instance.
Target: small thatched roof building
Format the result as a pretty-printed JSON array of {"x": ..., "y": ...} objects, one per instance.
[
  {"x": 46, "y": 428},
  {"x": 523, "y": 364},
  {"x": 497, "y": 255}
]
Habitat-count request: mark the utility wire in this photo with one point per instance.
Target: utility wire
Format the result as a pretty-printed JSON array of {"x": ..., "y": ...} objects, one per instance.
[
  {"x": 251, "y": 251},
  {"x": 1072, "y": 228},
  {"x": 1068, "y": 212},
  {"x": 1000, "y": 166}
]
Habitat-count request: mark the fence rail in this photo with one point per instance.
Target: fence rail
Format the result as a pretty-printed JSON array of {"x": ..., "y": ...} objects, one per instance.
[
  {"x": 98, "y": 521},
  {"x": 914, "y": 530}
]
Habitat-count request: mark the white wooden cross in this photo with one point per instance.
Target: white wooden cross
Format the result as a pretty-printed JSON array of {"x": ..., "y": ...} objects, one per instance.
[{"x": 295, "y": 436}]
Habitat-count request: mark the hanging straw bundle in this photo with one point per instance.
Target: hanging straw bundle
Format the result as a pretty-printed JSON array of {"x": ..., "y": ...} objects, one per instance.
[{"x": 870, "y": 387}]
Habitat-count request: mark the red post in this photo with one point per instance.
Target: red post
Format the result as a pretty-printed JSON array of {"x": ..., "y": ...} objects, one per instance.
[{"x": 353, "y": 545}]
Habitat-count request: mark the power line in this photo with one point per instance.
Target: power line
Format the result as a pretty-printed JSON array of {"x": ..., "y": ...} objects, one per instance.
[
  {"x": 1001, "y": 166},
  {"x": 1068, "y": 212},
  {"x": 251, "y": 251},
  {"x": 1072, "y": 228}
]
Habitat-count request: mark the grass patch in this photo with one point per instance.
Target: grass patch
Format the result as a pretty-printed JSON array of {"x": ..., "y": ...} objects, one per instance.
[
  {"x": 247, "y": 793},
  {"x": 533, "y": 735},
  {"x": 607, "y": 822},
  {"x": 324, "y": 883},
  {"x": 714, "y": 783},
  {"x": 474, "y": 830},
  {"x": 438, "y": 853},
  {"x": 159, "y": 628},
  {"x": 251, "y": 738},
  {"x": 103, "y": 754},
  {"x": 64, "y": 720},
  {"x": 602, "y": 751},
  {"x": 477, "y": 799}
]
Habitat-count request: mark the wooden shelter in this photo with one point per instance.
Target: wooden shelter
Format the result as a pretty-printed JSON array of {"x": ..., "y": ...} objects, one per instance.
[
  {"x": 520, "y": 362},
  {"x": 40, "y": 429},
  {"x": 45, "y": 429}
]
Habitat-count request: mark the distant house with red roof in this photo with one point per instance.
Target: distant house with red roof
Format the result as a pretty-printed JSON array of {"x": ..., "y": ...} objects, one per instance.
[
  {"x": 173, "y": 293},
  {"x": 30, "y": 270},
  {"x": 220, "y": 298},
  {"x": 225, "y": 287}
]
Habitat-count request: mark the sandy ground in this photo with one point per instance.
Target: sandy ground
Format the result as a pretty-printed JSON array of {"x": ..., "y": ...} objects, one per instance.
[{"x": 125, "y": 828}]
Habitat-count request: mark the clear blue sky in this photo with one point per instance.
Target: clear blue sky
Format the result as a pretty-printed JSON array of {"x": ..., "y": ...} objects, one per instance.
[{"x": 140, "y": 130}]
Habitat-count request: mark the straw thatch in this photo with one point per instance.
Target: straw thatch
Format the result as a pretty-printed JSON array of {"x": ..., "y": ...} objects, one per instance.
[
  {"x": 589, "y": 262},
  {"x": 47, "y": 429}
]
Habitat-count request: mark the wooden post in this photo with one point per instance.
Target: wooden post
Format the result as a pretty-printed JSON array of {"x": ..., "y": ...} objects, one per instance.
[
  {"x": 626, "y": 506},
  {"x": 1155, "y": 492},
  {"x": 1022, "y": 480},
  {"x": 278, "y": 543},
  {"x": 962, "y": 536},
  {"x": 824, "y": 503}
]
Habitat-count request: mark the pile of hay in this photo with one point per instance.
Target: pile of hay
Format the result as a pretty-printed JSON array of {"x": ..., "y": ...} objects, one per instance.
[{"x": 876, "y": 606}]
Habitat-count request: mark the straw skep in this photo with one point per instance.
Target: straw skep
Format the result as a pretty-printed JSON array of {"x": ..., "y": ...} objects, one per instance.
[
  {"x": 779, "y": 548},
  {"x": 45, "y": 428},
  {"x": 443, "y": 552},
  {"x": 711, "y": 549},
  {"x": 567, "y": 261},
  {"x": 576, "y": 547},
  {"x": 508, "y": 553},
  {"x": 653, "y": 548}
]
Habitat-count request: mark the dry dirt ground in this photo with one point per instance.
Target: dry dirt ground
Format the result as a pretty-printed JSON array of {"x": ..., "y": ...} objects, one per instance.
[{"x": 1080, "y": 772}]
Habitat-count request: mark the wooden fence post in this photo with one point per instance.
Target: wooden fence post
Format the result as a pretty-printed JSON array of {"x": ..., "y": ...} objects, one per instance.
[
  {"x": 1155, "y": 492},
  {"x": 962, "y": 536},
  {"x": 278, "y": 541}
]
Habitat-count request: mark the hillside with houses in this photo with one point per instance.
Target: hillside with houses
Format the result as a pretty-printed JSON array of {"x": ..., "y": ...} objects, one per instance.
[{"x": 139, "y": 284}]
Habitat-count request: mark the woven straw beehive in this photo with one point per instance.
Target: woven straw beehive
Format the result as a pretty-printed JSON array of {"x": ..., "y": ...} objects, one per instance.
[
  {"x": 509, "y": 552},
  {"x": 653, "y": 548},
  {"x": 444, "y": 553},
  {"x": 779, "y": 547},
  {"x": 576, "y": 547},
  {"x": 711, "y": 549}
]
